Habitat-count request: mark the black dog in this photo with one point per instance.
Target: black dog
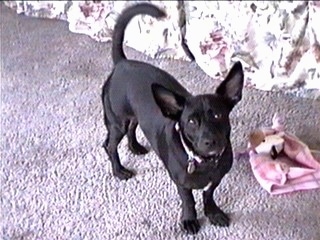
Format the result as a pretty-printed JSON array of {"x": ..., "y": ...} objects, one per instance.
[{"x": 191, "y": 134}]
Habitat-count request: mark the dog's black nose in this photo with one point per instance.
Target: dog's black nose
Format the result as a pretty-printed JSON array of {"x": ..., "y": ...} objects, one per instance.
[
  {"x": 210, "y": 147},
  {"x": 209, "y": 143},
  {"x": 207, "y": 147}
]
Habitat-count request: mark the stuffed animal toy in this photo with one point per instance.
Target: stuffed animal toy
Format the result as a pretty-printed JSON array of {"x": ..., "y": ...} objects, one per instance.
[
  {"x": 266, "y": 144},
  {"x": 296, "y": 167}
]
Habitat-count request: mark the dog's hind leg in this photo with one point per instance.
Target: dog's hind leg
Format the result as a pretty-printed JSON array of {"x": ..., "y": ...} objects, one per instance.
[
  {"x": 134, "y": 146},
  {"x": 110, "y": 145}
]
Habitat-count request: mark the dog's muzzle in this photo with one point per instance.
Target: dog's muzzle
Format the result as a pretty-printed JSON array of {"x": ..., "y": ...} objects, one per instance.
[{"x": 194, "y": 159}]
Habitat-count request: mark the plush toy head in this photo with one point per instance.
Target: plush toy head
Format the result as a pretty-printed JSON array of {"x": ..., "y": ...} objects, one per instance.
[{"x": 266, "y": 144}]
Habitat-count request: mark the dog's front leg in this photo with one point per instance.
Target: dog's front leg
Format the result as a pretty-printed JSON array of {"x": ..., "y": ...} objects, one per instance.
[
  {"x": 211, "y": 210},
  {"x": 189, "y": 215}
]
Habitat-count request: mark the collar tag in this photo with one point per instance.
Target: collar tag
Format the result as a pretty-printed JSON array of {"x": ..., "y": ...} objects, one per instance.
[{"x": 191, "y": 166}]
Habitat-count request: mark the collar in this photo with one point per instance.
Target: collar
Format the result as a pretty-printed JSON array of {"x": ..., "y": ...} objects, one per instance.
[{"x": 191, "y": 155}]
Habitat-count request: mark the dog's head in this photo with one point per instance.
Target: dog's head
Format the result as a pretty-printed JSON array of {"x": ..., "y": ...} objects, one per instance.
[{"x": 204, "y": 119}]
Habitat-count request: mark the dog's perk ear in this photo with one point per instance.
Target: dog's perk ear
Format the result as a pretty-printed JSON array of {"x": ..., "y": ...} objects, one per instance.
[
  {"x": 231, "y": 87},
  {"x": 170, "y": 103}
]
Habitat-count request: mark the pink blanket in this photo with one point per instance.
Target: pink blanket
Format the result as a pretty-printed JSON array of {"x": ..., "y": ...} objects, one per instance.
[{"x": 296, "y": 168}]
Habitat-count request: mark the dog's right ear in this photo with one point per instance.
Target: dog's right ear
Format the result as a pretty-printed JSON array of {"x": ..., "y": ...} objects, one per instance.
[
  {"x": 170, "y": 103},
  {"x": 231, "y": 87}
]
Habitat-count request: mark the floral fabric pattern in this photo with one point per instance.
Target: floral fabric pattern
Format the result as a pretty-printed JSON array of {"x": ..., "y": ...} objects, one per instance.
[{"x": 277, "y": 41}]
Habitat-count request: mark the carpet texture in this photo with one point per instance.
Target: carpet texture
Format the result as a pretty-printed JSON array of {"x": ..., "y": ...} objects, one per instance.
[{"x": 56, "y": 180}]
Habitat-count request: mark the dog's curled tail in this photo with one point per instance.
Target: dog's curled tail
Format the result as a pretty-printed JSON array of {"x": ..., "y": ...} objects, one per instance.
[{"x": 122, "y": 22}]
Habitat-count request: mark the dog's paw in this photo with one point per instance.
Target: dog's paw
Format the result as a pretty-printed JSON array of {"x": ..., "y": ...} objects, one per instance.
[
  {"x": 219, "y": 219},
  {"x": 124, "y": 174},
  {"x": 191, "y": 226},
  {"x": 138, "y": 149}
]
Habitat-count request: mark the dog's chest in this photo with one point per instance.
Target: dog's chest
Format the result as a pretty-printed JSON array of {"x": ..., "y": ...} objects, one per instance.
[{"x": 200, "y": 180}]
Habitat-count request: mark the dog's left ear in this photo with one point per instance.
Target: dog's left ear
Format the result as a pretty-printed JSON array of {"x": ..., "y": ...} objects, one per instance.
[
  {"x": 231, "y": 87},
  {"x": 170, "y": 103}
]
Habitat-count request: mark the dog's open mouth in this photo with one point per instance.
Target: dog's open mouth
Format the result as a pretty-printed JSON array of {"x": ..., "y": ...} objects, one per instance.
[{"x": 213, "y": 157}]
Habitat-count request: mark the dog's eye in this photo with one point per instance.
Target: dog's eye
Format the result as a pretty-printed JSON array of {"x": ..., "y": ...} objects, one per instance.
[
  {"x": 217, "y": 115},
  {"x": 192, "y": 121},
  {"x": 214, "y": 115}
]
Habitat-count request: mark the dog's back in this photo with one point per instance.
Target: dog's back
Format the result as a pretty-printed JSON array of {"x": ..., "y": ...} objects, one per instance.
[{"x": 135, "y": 76}]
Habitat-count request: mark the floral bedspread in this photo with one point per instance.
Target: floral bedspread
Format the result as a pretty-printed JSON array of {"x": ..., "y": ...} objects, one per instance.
[{"x": 277, "y": 41}]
